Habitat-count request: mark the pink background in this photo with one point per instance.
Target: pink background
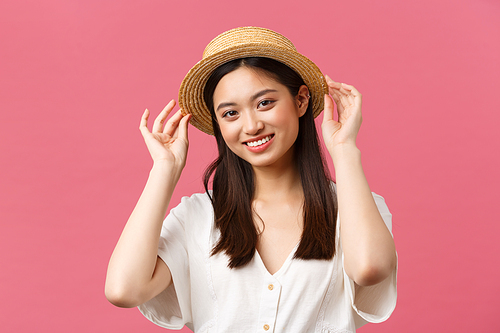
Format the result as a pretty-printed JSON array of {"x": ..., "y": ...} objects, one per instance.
[{"x": 75, "y": 77}]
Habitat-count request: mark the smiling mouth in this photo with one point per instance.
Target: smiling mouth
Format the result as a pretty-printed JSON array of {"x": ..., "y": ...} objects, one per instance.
[{"x": 259, "y": 142}]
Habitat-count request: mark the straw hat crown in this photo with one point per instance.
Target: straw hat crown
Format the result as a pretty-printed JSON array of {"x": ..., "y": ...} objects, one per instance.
[
  {"x": 245, "y": 36},
  {"x": 242, "y": 43}
]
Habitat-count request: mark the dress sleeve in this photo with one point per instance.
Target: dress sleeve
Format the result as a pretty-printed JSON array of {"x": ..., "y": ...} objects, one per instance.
[
  {"x": 375, "y": 303},
  {"x": 172, "y": 307}
]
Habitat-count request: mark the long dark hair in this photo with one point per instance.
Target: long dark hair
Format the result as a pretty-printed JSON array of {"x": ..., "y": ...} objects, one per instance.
[{"x": 233, "y": 179}]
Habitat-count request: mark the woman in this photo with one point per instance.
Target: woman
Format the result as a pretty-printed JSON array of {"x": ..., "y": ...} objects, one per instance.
[{"x": 276, "y": 246}]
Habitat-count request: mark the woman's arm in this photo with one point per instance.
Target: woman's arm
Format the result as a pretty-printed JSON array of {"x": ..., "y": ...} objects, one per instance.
[
  {"x": 369, "y": 251},
  {"x": 135, "y": 273}
]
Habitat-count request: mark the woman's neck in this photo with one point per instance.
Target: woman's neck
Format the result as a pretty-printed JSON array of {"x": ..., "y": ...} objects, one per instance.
[{"x": 276, "y": 184}]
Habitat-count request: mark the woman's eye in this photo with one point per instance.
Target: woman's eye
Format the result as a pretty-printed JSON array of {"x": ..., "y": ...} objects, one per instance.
[
  {"x": 265, "y": 102},
  {"x": 230, "y": 113}
]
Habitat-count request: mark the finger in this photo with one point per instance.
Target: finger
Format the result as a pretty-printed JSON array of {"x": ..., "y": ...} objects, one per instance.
[
  {"x": 335, "y": 88},
  {"x": 329, "y": 79},
  {"x": 160, "y": 120},
  {"x": 332, "y": 84},
  {"x": 343, "y": 91},
  {"x": 352, "y": 95},
  {"x": 335, "y": 96},
  {"x": 345, "y": 100},
  {"x": 172, "y": 124},
  {"x": 354, "y": 92},
  {"x": 341, "y": 87},
  {"x": 345, "y": 97},
  {"x": 183, "y": 127},
  {"x": 347, "y": 87},
  {"x": 329, "y": 107},
  {"x": 143, "y": 127}
]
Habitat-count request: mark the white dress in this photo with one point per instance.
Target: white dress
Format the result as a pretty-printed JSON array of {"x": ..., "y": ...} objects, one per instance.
[{"x": 303, "y": 296}]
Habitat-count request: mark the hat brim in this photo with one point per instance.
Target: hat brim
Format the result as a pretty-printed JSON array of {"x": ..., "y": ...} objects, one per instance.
[{"x": 191, "y": 91}]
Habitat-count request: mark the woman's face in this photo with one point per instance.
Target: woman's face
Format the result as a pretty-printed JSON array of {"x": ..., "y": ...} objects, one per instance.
[{"x": 258, "y": 117}]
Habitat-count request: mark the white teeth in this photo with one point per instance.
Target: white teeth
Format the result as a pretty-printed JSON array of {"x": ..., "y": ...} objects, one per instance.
[{"x": 259, "y": 142}]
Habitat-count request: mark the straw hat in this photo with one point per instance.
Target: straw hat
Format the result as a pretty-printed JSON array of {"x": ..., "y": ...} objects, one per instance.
[{"x": 242, "y": 43}]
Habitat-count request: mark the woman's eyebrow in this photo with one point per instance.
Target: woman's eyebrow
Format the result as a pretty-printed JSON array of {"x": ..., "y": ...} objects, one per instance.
[
  {"x": 262, "y": 92},
  {"x": 223, "y": 105},
  {"x": 252, "y": 98}
]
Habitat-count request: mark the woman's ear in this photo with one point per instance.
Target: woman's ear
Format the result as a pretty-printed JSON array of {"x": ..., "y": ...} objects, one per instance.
[{"x": 302, "y": 99}]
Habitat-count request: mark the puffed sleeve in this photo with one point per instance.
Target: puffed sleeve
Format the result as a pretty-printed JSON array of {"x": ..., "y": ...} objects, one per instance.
[
  {"x": 374, "y": 303},
  {"x": 172, "y": 307}
]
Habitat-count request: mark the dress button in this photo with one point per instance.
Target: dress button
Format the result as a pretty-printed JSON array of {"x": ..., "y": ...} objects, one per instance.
[
  {"x": 266, "y": 327},
  {"x": 270, "y": 287}
]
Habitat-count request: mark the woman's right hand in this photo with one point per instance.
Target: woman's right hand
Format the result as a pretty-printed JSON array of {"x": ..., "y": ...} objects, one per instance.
[
  {"x": 135, "y": 273},
  {"x": 167, "y": 142}
]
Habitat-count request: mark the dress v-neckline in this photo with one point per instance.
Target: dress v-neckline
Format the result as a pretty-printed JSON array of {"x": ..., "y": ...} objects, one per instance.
[{"x": 283, "y": 267}]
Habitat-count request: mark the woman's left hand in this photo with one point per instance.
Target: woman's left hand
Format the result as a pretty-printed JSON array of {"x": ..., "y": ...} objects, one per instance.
[{"x": 345, "y": 130}]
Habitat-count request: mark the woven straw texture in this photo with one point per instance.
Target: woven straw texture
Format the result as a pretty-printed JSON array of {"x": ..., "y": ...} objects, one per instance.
[{"x": 241, "y": 43}]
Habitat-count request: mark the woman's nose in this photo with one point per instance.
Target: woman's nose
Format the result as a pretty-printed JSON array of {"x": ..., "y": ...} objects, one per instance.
[{"x": 252, "y": 124}]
